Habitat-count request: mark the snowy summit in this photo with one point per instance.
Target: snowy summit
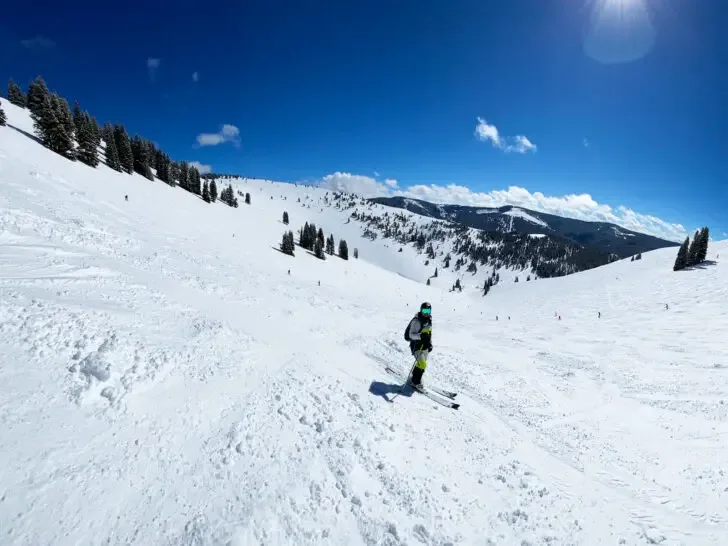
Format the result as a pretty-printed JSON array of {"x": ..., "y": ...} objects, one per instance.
[{"x": 170, "y": 376}]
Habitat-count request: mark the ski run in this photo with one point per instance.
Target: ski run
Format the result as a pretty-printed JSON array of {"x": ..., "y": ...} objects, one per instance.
[{"x": 166, "y": 381}]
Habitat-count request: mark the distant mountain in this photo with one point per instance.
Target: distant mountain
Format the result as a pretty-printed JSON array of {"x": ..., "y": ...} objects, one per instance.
[{"x": 603, "y": 241}]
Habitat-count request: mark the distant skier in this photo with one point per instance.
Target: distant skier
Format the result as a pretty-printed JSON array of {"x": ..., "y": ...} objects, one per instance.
[{"x": 419, "y": 334}]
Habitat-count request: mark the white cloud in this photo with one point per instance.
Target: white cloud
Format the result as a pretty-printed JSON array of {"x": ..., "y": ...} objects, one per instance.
[
  {"x": 195, "y": 76},
  {"x": 152, "y": 66},
  {"x": 522, "y": 145},
  {"x": 365, "y": 186},
  {"x": 586, "y": 143},
  {"x": 578, "y": 206},
  {"x": 519, "y": 144},
  {"x": 204, "y": 169},
  {"x": 38, "y": 42},
  {"x": 228, "y": 133}
]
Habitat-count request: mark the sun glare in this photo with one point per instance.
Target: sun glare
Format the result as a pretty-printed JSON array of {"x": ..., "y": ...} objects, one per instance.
[{"x": 620, "y": 31}]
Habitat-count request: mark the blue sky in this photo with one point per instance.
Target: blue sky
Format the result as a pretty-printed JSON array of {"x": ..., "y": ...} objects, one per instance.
[{"x": 597, "y": 109}]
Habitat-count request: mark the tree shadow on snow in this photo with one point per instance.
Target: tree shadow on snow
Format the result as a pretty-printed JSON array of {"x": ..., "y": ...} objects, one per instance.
[
  {"x": 279, "y": 250},
  {"x": 702, "y": 265},
  {"x": 377, "y": 388},
  {"x": 25, "y": 133}
]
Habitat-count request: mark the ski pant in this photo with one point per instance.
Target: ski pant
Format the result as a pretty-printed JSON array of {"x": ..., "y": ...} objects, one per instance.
[{"x": 421, "y": 359}]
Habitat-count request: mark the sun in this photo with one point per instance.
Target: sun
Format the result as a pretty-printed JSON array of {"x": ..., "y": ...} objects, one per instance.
[{"x": 619, "y": 31}]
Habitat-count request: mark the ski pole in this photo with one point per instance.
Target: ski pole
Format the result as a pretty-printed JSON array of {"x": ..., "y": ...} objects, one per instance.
[{"x": 401, "y": 389}]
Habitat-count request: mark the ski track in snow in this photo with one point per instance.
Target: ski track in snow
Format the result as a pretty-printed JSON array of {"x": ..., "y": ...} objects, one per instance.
[{"x": 164, "y": 382}]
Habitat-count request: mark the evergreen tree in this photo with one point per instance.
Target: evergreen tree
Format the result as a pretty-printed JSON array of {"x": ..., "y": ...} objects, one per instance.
[
  {"x": 247, "y": 199},
  {"x": 140, "y": 154},
  {"x": 50, "y": 129},
  {"x": 312, "y": 236},
  {"x": 213, "y": 190},
  {"x": 193, "y": 180},
  {"x": 3, "y": 119},
  {"x": 15, "y": 94},
  {"x": 356, "y": 253},
  {"x": 111, "y": 153},
  {"x": 320, "y": 237},
  {"x": 123, "y": 148},
  {"x": 435, "y": 275},
  {"x": 285, "y": 217},
  {"x": 330, "y": 245},
  {"x": 303, "y": 235},
  {"x": 190, "y": 183},
  {"x": 87, "y": 150},
  {"x": 693, "y": 250},
  {"x": 183, "y": 175},
  {"x": 64, "y": 115},
  {"x": 161, "y": 165},
  {"x": 205, "y": 192},
  {"x": 288, "y": 246},
  {"x": 37, "y": 92},
  {"x": 318, "y": 249},
  {"x": 632, "y": 259},
  {"x": 77, "y": 115},
  {"x": 309, "y": 236},
  {"x": 428, "y": 282},
  {"x": 703, "y": 247},
  {"x": 343, "y": 250},
  {"x": 682, "y": 256},
  {"x": 96, "y": 132},
  {"x": 233, "y": 199},
  {"x": 197, "y": 182},
  {"x": 174, "y": 173}
]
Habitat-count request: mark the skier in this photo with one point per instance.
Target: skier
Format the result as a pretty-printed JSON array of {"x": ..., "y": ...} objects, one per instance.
[{"x": 419, "y": 334}]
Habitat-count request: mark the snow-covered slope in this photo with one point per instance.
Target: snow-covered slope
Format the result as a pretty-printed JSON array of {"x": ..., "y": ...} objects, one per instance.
[{"x": 164, "y": 380}]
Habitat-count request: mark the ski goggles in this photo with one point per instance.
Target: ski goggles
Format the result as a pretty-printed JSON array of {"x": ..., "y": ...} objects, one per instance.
[{"x": 426, "y": 311}]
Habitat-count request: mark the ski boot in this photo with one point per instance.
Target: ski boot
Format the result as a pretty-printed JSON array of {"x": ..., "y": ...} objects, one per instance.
[{"x": 416, "y": 379}]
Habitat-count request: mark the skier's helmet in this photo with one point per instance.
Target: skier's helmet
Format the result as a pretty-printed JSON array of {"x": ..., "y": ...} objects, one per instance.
[{"x": 426, "y": 309}]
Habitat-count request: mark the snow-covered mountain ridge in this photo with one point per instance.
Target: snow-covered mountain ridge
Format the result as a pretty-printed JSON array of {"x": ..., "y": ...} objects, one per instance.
[
  {"x": 165, "y": 380},
  {"x": 576, "y": 245}
]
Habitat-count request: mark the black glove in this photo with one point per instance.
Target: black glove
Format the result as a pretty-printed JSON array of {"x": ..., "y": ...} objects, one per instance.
[{"x": 429, "y": 348}]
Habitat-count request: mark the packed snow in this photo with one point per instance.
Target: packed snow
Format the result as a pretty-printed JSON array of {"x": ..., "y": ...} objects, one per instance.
[
  {"x": 520, "y": 213},
  {"x": 165, "y": 380},
  {"x": 621, "y": 233}
]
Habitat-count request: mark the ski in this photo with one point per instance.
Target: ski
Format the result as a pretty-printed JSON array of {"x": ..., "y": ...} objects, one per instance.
[
  {"x": 441, "y": 392},
  {"x": 438, "y": 399},
  {"x": 434, "y": 394}
]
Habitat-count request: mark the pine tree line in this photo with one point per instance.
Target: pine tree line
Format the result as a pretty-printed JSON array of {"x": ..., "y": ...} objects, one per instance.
[
  {"x": 693, "y": 253},
  {"x": 76, "y": 135}
]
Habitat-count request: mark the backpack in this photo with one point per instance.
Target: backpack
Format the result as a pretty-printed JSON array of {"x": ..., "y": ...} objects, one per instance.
[{"x": 406, "y": 331}]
